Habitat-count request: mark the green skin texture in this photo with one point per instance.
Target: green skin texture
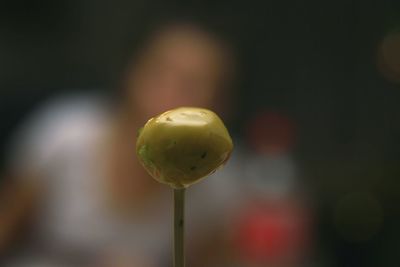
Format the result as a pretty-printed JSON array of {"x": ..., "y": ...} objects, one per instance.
[{"x": 183, "y": 145}]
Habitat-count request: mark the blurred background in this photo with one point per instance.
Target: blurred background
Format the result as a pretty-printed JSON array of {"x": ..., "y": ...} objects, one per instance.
[{"x": 315, "y": 112}]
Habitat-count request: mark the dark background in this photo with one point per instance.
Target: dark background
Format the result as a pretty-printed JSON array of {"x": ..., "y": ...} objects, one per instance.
[{"x": 312, "y": 60}]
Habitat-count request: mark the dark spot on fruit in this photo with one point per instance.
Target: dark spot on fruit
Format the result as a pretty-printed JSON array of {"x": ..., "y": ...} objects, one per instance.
[
  {"x": 169, "y": 119},
  {"x": 193, "y": 168},
  {"x": 204, "y": 155}
]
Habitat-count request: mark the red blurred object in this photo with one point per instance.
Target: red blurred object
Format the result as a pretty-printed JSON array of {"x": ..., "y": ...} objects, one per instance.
[
  {"x": 271, "y": 133},
  {"x": 276, "y": 232}
]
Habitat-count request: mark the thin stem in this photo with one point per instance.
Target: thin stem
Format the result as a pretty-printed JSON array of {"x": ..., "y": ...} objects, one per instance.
[{"x": 179, "y": 223}]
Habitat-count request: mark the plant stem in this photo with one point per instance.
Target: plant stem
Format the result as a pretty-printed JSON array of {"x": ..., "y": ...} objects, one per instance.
[{"x": 179, "y": 223}]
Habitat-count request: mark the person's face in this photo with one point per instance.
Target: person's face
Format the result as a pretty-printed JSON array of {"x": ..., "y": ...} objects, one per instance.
[{"x": 181, "y": 67}]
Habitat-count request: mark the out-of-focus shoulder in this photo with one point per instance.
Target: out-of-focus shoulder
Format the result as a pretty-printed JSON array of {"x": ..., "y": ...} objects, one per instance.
[
  {"x": 69, "y": 109},
  {"x": 65, "y": 121}
]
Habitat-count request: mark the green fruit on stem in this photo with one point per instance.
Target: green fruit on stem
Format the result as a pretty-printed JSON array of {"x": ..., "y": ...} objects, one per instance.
[{"x": 181, "y": 146}]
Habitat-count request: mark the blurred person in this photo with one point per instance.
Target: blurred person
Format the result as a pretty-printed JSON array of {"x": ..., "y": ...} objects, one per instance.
[
  {"x": 273, "y": 225},
  {"x": 75, "y": 181}
]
